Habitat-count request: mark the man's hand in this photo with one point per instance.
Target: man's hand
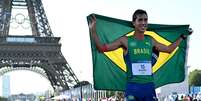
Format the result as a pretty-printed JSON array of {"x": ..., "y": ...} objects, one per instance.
[
  {"x": 190, "y": 31},
  {"x": 92, "y": 23}
]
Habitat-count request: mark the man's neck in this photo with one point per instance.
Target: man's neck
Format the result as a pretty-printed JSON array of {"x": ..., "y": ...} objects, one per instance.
[{"x": 139, "y": 36}]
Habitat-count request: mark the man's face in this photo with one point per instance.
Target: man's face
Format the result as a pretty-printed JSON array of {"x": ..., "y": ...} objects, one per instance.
[{"x": 141, "y": 23}]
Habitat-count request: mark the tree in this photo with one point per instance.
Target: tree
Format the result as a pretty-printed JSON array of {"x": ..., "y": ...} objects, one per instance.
[
  {"x": 195, "y": 78},
  {"x": 118, "y": 94},
  {"x": 3, "y": 99},
  {"x": 110, "y": 93}
]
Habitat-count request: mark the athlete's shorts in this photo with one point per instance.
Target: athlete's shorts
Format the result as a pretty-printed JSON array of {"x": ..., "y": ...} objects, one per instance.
[{"x": 140, "y": 92}]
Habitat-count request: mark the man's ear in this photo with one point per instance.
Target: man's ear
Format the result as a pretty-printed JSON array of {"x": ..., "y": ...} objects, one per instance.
[{"x": 133, "y": 23}]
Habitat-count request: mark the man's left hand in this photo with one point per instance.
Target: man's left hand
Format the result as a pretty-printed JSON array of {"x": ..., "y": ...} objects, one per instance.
[{"x": 184, "y": 36}]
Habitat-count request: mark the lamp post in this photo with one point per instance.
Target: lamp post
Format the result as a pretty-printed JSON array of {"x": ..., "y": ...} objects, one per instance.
[
  {"x": 80, "y": 84},
  {"x": 81, "y": 91}
]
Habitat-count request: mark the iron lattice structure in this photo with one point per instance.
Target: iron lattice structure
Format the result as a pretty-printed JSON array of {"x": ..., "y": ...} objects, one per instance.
[{"x": 40, "y": 52}]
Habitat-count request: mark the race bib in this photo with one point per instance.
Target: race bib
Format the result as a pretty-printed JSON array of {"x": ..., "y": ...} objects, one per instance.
[{"x": 142, "y": 68}]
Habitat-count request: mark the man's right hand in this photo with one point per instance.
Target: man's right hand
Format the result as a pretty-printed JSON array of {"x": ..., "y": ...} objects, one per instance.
[{"x": 92, "y": 23}]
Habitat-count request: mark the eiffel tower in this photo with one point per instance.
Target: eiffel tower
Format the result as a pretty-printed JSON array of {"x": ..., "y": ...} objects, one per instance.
[{"x": 39, "y": 52}]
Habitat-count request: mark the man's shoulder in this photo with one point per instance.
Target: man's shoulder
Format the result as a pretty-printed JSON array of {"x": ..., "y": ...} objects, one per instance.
[{"x": 148, "y": 37}]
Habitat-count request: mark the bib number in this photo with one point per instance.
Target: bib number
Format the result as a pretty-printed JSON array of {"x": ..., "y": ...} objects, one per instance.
[{"x": 141, "y": 68}]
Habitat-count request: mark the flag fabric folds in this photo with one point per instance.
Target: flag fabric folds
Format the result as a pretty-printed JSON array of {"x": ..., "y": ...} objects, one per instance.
[{"x": 109, "y": 68}]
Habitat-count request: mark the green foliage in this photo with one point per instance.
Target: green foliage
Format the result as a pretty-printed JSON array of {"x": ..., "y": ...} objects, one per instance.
[
  {"x": 118, "y": 94},
  {"x": 195, "y": 78},
  {"x": 110, "y": 93},
  {"x": 3, "y": 99}
]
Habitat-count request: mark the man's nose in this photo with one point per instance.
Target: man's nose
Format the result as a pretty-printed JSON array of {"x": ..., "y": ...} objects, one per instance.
[{"x": 144, "y": 22}]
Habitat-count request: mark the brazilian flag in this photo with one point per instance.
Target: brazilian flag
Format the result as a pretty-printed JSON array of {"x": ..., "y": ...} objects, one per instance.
[{"x": 109, "y": 68}]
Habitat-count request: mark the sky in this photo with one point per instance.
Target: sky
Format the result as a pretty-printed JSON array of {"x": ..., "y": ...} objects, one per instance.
[{"x": 67, "y": 19}]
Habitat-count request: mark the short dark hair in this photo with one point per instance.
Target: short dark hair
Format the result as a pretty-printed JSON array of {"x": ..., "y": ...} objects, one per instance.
[{"x": 138, "y": 12}]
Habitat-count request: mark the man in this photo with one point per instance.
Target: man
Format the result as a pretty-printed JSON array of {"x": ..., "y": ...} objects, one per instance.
[{"x": 137, "y": 50}]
